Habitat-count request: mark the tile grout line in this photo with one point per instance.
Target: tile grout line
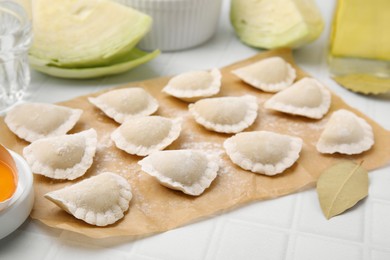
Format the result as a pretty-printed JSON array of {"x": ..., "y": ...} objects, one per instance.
[
  {"x": 367, "y": 228},
  {"x": 259, "y": 225},
  {"x": 295, "y": 230},
  {"x": 219, "y": 231},
  {"x": 369, "y": 243},
  {"x": 292, "y": 236},
  {"x": 211, "y": 238},
  {"x": 331, "y": 238},
  {"x": 52, "y": 251},
  {"x": 381, "y": 200}
]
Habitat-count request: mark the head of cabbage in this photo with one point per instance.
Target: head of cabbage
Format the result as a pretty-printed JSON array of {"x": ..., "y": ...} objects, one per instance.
[{"x": 85, "y": 39}]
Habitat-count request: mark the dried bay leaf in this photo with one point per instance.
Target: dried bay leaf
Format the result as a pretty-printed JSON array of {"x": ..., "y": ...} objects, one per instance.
[
  {"x": 341, "y": 186},
  {"x": 363, "y": 83}
]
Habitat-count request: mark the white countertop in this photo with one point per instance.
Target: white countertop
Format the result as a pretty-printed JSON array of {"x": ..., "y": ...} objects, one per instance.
[{"x": 292, "y": 227}]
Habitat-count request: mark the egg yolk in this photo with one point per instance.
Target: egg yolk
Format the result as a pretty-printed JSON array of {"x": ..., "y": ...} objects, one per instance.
[{"x": 7, "y": 182}]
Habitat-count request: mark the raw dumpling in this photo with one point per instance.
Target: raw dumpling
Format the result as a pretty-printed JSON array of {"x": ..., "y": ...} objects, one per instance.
[
  {"x": 62, "y": 157},
  {"x": 263, "y": 152},
  {"x": 32, "y": 121},
  {"x": 306, "y": 97},
  {"x": 270, "y": 75},
  {"x": 144, "y": 135},
  {"x": 345, "y": 133},
  {"x": 189, "y": 171},
  {"x": 120, "y": 104},
  {"x": 225, "y": 114},
  {"x": 100, "y": 200},
  {"x": 191, "y": 86}
]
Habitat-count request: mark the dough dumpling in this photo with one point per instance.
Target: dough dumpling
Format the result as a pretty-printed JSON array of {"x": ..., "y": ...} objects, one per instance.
[
  {"x": 32, "y": 121},
  {"x": 225, "y": 114},
  {"x": 120, "y": 104},
  {"x": 345, "y": 133},
  {"x": 62, "y": 157},
  {"x": 144, "y": 135},
  {"x": 270, "y": 75},
  {"x": 263, "y": 152},
  {"x": 100, "y": 200},
  {"x": 306, "y": 97},
  {"x": 193, "y": 85},
  {"x": 189, "y": 171}
]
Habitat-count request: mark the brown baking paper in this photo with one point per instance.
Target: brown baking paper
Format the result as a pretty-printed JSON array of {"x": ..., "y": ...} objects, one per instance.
[{"x": 155, "y": 208}]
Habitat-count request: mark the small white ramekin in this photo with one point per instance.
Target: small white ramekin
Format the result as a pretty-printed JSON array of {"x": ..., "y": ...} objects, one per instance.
[
  {"x": 178, "y": 24},
  {"x": 22, "y": 201}
]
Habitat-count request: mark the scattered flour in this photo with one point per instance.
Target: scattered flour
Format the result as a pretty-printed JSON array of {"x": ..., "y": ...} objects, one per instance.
[
  {"x": 174, "y": 112},
  {"x": 105, "y": 142}
]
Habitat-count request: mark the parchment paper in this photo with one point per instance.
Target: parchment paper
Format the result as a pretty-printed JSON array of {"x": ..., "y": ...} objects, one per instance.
[{"x": 155, "y": 208}]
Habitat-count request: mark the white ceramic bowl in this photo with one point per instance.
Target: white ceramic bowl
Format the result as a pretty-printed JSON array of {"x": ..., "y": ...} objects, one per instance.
[
  {"x": 21, "y": 204},
  {"x": 178, "y": 24}
]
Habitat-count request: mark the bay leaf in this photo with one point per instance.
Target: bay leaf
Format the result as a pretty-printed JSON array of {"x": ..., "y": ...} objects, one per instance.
[
  {"x": 364, "y": 84},
  {"x": 341, "y": 186}
]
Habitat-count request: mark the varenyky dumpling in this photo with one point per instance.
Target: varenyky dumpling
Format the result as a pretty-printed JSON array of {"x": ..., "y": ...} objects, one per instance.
[
  {"x": 32, "y": 121},
  {"x": 144, "y": 135},
  {"x": 193, "y": 85},
  {"x": 345, "y": 133},
  {"x": 62, "y": 157},
  {"x": 189, "y": 171},
  {"x": 120, "y": 104},
  {"x": 306, "y": 97},
  {"x": 270, "y": 75},
  {"x": 263, "y": 152},
  {"x": 225, "y": 114},
  {"x": 100, "y": 200}
]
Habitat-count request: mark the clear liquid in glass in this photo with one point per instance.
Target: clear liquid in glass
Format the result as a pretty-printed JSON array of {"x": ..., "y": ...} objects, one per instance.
[{"x": 15, "y": 40}]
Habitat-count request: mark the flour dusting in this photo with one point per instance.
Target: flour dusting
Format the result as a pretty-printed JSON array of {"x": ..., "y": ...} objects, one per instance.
[{"x": 105, "y": 142}]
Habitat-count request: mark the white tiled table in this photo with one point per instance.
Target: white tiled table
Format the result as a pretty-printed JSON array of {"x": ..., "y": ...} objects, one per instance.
[{"x": 291, "y": 227}]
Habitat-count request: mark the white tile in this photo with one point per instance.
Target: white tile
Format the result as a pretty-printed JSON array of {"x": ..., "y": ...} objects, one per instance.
[
  {"x": 24, "y": 245},
  {"x": 163, "y": 58},
  {"x": 263, "y": 230},
  {"x": 382, "y": 104},
  {"x": 236, "y": 51},
  {"x": 37, "y": 227},
  {"x": 195, "y": 58},
  {"x": 189, "y": 241},
  {"x": 380, "y": 255},
  {"x": 276, "y": 212},
  {"x": 37, "y": 80},
  {"x": 153, "y": 69},
  {"x": 242, "y": 240},
  {"x": 309, "y": 58},
  {"x": 379, "y": 184},
  {"x": 116, "y": 243},
  {"x": 334, "y": 86},
  {"x": 181, "y": 67},
  {"x": 349, "y": 225},
  {"x": 37, "y": 77},
  {"x": 73, "y": 250},
  {"x": 56, "y": 89},
  {"x": 312, "y": 247},
  {"x": 380, "y": 229},
  {"x": 142, "y": 257}
]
